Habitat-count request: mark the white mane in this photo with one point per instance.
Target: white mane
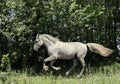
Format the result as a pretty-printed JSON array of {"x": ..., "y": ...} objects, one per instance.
[{"x": 51, "y": 38}]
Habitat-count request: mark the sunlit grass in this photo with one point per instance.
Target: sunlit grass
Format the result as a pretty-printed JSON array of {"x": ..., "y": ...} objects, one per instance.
[{"x": 108, "y": 74}]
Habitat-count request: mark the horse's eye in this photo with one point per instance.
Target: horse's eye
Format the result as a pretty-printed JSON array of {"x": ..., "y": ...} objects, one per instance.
[{"x": 36, "y": 41}]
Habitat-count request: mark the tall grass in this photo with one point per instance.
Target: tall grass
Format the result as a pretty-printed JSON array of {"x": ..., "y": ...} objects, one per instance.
[{"x": 108, "y": 74}]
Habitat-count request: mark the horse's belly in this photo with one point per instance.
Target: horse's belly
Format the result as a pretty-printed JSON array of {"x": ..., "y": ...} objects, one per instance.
[{"x": 66, "y": 56}]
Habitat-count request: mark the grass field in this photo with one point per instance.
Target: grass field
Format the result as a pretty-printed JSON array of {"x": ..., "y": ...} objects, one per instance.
[{"x": 107, "y": 74}]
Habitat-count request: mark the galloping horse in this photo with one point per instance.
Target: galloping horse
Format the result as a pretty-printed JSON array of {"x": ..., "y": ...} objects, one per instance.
[{"x": 67, "y": 50}]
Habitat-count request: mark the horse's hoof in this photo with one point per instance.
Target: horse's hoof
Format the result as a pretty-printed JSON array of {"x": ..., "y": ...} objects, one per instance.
[
  {"x": 46, "y": 68},
  {"x": 67, "y": 74},
  {"x": 79, "y": 76},
  {"x": 58, "y": 68}
]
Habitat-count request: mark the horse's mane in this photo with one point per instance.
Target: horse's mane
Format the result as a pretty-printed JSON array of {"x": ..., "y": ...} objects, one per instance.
[{"x": 51, "y": 38}]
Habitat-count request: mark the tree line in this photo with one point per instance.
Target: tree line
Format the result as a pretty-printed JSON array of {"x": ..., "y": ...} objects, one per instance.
[{"x": 70, "y": 20}]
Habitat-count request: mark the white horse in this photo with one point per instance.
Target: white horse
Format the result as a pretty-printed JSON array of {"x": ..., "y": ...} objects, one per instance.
[{"x": 67, "y": 50}]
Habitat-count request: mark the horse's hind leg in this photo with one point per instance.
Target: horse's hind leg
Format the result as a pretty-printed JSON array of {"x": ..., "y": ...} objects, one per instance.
[
  {"x": 74, "y": 65},
  {"x": 56, "y": 68},
  {"x": 83, "y": 66}
]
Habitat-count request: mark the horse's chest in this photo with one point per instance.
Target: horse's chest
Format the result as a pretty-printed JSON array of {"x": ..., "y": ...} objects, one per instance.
[{"x": 52, "y": 50}]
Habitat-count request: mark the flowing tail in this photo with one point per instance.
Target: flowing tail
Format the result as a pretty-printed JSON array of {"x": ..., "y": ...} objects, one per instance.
[{"x": 100, "y": 49}]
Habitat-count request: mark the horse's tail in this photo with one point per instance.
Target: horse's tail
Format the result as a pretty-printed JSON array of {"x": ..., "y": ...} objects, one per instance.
[{"x": 100, "y": 49}]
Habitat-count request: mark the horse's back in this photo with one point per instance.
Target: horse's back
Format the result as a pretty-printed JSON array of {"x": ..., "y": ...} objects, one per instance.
[{"x": 74, "y": 45}]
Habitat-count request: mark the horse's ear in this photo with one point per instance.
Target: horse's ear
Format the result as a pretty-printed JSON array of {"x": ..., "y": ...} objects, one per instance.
[{"x": 37, "y": 35}]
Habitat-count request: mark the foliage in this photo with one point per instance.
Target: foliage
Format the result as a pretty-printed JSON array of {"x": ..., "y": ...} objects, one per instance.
[{"x": 70, "y": 20}]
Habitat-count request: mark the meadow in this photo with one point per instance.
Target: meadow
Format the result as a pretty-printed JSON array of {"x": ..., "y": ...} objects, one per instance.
[{"x": 107, "y": 74}]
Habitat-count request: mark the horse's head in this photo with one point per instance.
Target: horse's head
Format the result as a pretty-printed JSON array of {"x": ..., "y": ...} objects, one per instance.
[{"x": 38, "y": 42}]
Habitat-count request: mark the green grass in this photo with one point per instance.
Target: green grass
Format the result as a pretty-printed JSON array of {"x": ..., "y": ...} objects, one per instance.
[{"x": 107, "y": 74}]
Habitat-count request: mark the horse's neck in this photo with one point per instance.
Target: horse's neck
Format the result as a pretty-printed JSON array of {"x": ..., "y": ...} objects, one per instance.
[{"x": 48, "y": 43}]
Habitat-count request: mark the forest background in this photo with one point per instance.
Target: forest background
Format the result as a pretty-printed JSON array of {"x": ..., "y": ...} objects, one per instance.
[{"x": 84, "y": 21}]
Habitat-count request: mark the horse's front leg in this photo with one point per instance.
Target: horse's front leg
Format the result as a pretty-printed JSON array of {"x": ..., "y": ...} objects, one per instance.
[
  {"x": 56, "y": 68},
  {"x": 73, "y": 66},
  {"x": 51, "y": 58},
  {"x": 45, "y": 67}
]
